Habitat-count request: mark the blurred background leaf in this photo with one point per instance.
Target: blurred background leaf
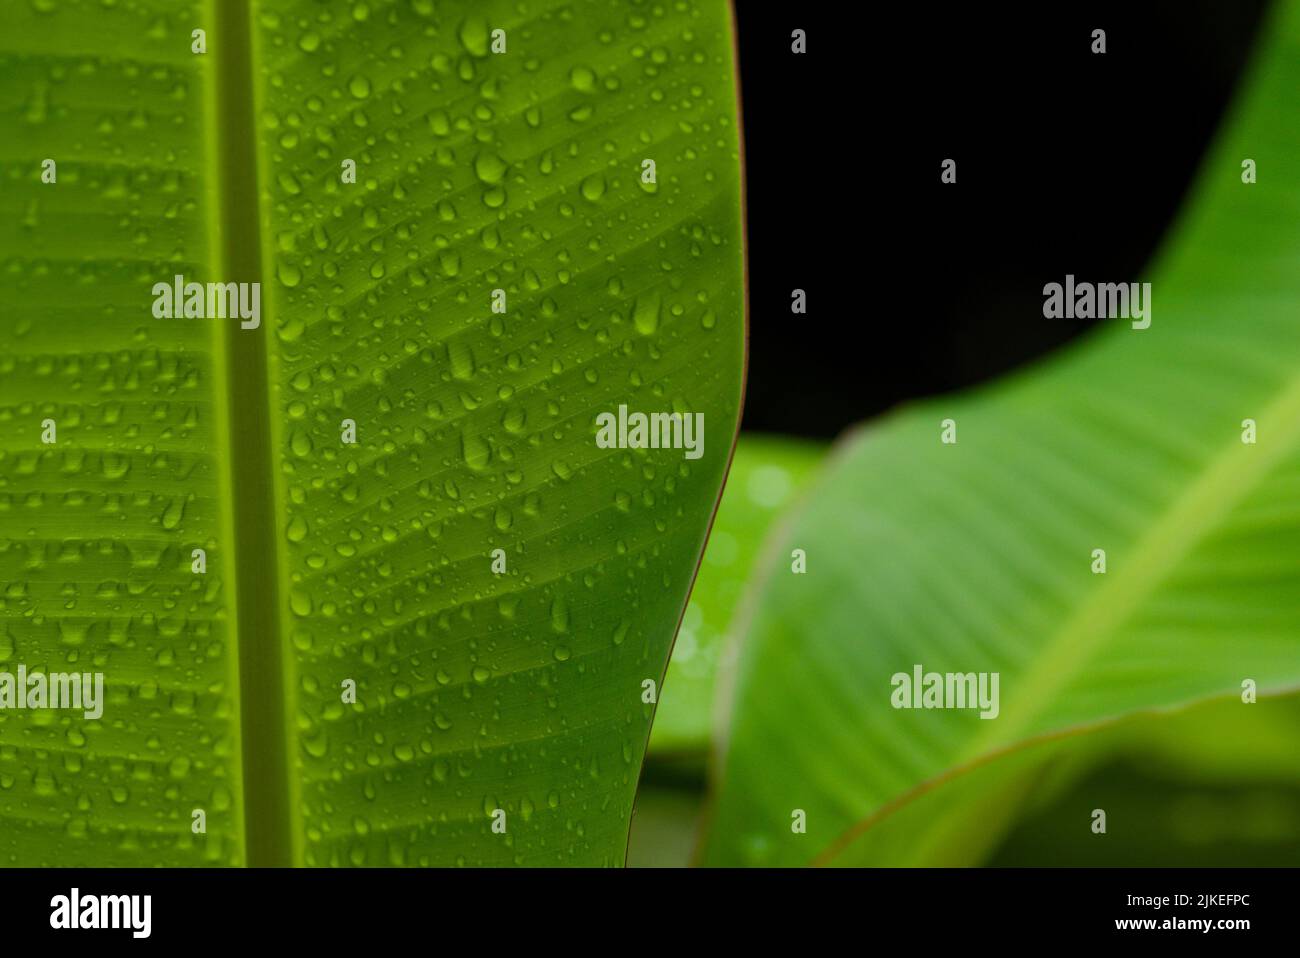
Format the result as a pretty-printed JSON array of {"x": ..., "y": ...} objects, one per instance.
[
  {"x": 767, "y": 475},
  {"x": 976, "y": 556},
  {"x": 1218, "y": 784}
]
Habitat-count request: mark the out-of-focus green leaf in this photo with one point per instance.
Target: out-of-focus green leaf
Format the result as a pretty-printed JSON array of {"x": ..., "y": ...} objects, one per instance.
[
  {"x": 1033, "y": 805},
  {"x": 1217, "y": 785},
  {"x": 976, "y": 557},
  {"x": 768, "y": 473},
  {"x": 665, "y": 826}
]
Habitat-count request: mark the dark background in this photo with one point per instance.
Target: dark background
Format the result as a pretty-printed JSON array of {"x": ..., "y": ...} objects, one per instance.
[{"x": 1067, "y": 162}]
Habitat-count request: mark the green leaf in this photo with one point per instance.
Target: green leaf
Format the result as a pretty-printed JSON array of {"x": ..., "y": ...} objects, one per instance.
[
  {"x": 976, "y": 556},
  {"x": 1214, "y": 785},
  {"x": 664, "y": 826},
  {"x": 1033, "y": 805},
  {"x": 329, "y": 562},
  {"x": 767, "y": 474}
]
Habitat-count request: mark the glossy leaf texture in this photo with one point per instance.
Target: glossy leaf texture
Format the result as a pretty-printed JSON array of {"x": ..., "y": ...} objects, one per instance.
[
  {"x": 978, "y": 556},
  {"x": 501, "y": 272}
]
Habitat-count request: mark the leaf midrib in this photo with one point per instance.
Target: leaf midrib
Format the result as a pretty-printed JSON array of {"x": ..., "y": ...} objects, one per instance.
[
  {"x": 1226, "y": 479},
  {"x": 254, "y": 562}
]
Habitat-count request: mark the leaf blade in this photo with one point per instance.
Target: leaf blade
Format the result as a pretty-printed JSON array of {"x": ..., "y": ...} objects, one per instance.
[
  {"x": 527, "y": 153},
  {"x": 96, "y": 566},
  {"x": 476, "y": 691}
]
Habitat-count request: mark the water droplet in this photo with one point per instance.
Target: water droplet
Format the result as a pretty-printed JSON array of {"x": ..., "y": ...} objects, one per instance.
[
  {"x": 476, "y": 452},
  {"x": 300, "y": 442},
  {"x": 560, "y": 614},
  {"x": 474, "y": 36},
  {"x": 288, "y": 274},
  {"x": 645, "y": 314},
  {"x": 171, "y": 517},
  {"x": 583, "y": 79},
  {"x": 489, "y": 167},
  {"x": 359, "y": 87},
  {"x": 462, "y": 360},
  {"x": 593, "y": 187},
  {"x": 300, "y": 602}
]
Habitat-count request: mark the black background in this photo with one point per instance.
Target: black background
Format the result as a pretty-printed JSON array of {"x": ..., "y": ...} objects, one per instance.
[
  {"x": 384, "y": 911},
  {"x": 1067, "y": 162}
]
